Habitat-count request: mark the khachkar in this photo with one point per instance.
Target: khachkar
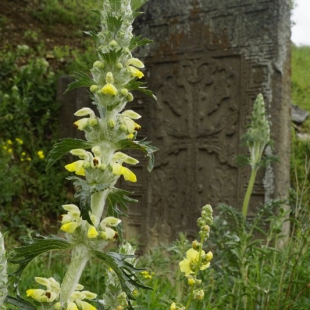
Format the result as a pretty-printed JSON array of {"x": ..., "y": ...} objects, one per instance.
[{"x": 208, "y": 62}]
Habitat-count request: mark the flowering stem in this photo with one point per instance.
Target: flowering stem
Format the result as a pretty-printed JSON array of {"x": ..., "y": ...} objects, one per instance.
[
  {"x": 98, "y": 200},
  {"x": 191, "y": 295},
  {"x": 247, "y": 197},
  {"x": 79, "y": 258}
]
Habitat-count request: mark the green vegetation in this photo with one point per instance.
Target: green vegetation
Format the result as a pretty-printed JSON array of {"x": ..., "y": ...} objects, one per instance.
[{"x": 301, "y": 76}]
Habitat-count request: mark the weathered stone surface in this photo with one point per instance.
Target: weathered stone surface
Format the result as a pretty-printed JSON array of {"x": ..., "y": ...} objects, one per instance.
[{"x": 208, "y": 62}]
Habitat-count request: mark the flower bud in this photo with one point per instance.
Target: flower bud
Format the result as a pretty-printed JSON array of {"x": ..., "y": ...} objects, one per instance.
[
  {"x": 124, "y": 91},
  {"x": 113, "y": 43},
  {"x": 130, "y": 97},
  {"x": 109, "y": 77},
  {"x": 196, "y": 245},
  {"x": 119, "y": 66},
  {"x": 94, "y": 88},
  {"x": 191, "y": 281},
  {"x": 111, "y": 123},
  {"x": 98, "y": 64},
  {"x": 199, "y": 294}
]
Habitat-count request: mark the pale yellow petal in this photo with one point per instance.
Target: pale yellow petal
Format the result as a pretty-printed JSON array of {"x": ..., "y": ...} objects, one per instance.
[
  {"x": 92, "y": 232},
  {"x": 69, "y": 227},
  {"x": 185, "y": 267},
  {"x": 129, "y": 175},
  {"x": 109, "y": 89}
]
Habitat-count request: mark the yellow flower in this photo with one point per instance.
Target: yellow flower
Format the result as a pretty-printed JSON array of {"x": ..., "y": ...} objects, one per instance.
[
  {"x": 127, "y": 174},
  {"x": 49, "y": 295},
  {"x": 72, "y": 219},
  {"x": 135, "y": 72},
  {"x": 173, "y": 306},
  {"x": 77, "y": 167},
  {"x": 189, "y": 264},
  {"x": 76, "y": 300},
  {"x": 81, "y": 123},
  {"x": 19, "y": 141},
  {"x": 72, "y": 306},
  {"x": 108, "y": 233},
  {"x": 69, "y": 227},
  {"x": 9, "y": 142},
  {"x": 109, "y": 89},
  {"x": 41, "y": 154},
  {"x": 147, "y": 275},
  {"x": 92, "y": 232},
  {"x": 38, "y": 295}
]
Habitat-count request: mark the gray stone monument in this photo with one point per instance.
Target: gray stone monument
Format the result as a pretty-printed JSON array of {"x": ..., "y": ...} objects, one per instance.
[{"x": 208, "y": 62}]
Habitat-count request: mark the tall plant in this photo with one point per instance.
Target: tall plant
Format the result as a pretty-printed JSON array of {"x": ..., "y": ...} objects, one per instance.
[{"x": 92, "y": 225}]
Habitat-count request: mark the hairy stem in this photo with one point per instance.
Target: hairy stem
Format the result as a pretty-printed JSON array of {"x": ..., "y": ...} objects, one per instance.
[
  {"x": 248, "y": 194},
  {"x": 79, "y": 258}
]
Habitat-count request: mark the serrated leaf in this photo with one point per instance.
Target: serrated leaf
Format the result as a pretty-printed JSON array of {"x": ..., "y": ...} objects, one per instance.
[
  {"x": 136, "y": 85},
  {"x": 85, "y": 190},
  {"x": 138, "y": 41},
  {"x": 115, "y": 5},
  {"x": 24, "y": 254},
  {"x": 86, "y": 209},
  {"x": 64, "y": 146},
  {"x": 98, "y": 12},
  {"x": 114, "y": 24},
  {"x": 19, "y": 302},
  {"x": 82, "y": 80},
  {"x": 111, "y": 57},
  {"x": 118, "y": 198},
  {"x": 125, "y": 271},
  {"x": 92, "y": 33},
  {"x": 144, "y": 146}
]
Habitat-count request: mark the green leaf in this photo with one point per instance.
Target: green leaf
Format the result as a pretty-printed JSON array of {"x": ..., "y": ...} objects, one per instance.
[
  {"x": 85, "y": 190},
  {"x": 111, "y": 57},
  {"x": 115, "y": 5},
  {"x": 82, "y": 80},
  {"x": 19, "y": 302},
  {"x": 63, "y": 147},
  {"x": 125, "y": 271},
  {"x": 93, "y": 34},
  {"x": 114, "y": 24},
  {"x": 138, "y": 41},
  {"x": 118, "y": 198},
  {"x": 98, "y": 12},
  {"x": 144, "y": 146},
  {"x": 24, "y": 254},
  {"x": 136, "y": 85}
]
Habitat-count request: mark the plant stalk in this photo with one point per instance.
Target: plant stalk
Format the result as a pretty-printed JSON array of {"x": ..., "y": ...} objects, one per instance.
[
  {"x": 79, "y": 258},
  {"x": 249, "y": 191}
]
